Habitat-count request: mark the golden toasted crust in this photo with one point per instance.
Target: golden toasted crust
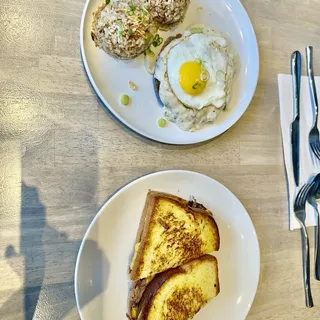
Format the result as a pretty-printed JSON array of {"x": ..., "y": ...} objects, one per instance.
[
  {"x": 181, "y": 292},
  {"x": 171, "y": 233}
]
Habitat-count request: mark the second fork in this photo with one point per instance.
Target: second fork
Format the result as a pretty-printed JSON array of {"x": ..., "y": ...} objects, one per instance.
[
  {"x": 314, "y": 132},
  {"x": 300, "y": 213}
]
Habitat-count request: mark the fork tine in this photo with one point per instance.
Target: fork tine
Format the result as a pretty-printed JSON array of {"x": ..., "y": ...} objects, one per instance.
[
  {"x": 312, "y": 148},
  {"x": 316, "y": 146},
  {"x": 314, "y": 158},
  {"x": 303, "y": 193},
  {"x": 299, "y": 195},
  {"x": 316, "y": 150}
]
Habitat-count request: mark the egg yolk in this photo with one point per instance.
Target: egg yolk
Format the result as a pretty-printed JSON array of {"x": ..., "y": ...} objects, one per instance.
[{"x": 190, "y": 78}]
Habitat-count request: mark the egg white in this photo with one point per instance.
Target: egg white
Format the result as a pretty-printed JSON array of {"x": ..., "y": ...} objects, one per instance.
[
  {"x": 205, "y": 48},
  {"x": 186, "y": 117}
]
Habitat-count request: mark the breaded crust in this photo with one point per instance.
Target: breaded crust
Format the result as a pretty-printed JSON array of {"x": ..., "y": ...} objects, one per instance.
[
  {"x": 97, "y": 40},
  {"x": 129, "y": 51},
  {"x": 169, "y": 14}
]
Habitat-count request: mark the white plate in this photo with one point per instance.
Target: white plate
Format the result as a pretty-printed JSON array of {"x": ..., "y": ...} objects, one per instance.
[
  {"x": 110, "y": 77},
  {"x": 101, "y": 279}
]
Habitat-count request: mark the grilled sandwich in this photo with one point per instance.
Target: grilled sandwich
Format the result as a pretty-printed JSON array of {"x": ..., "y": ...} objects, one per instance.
[
  {"x": 176, "y": 294},
  {"x": 172, "y": 232}
]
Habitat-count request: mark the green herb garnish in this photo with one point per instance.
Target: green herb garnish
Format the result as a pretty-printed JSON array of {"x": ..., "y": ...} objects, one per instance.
[
  {"x": 157, "y": 41},
  {"x": 120, "y": 29},
  {"x": 132, "y": 6},
  {"x": 162, "y": 122},
  {"x": 196, "y": 30},
  {"x": 220, "y": 75},
  {"x": 107, "y": 1},
  {"x": 149, "y": 37},
  {"x": 125, "y": 99},
  {"x": 196, "y": 86},
  {"x": 130, "y": 32},
  {"x": 150, "y": 53},
  {"x": 143, "y": 15},
  {"x": 204, "y": 76}
]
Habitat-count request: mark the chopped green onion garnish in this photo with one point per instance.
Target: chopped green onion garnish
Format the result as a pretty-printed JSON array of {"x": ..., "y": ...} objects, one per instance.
[
  {"x": 149, "y": 37},
  {"x": 132, "y": 6},
  {"x": 125, "y": 99},
  {"x": 196, "y": 30},
  {"x": 130, "y": 13},
  {"x": 196, "y": 86},
  {"x": 220, "y": 75},
  {"x": 157, "y": 41},
  {"x": 198, "y": 60},
  {"x": 150, "y": 53},
  {"x": 162, "y": 122},
  {"x": 120, "y": 29},
  {"x": 204, "y": 76},
  {"x": 143, "y": 14},
  {"x": 130, "y": 32}
]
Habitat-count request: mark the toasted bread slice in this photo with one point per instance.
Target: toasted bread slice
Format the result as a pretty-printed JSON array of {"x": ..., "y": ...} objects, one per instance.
[
  {"x": 172, "y": 232},
  {"x": 178, "y": 293}
]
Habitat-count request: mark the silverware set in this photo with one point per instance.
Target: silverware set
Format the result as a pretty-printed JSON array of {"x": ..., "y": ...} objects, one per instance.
[{"x": 309, "y": 191}]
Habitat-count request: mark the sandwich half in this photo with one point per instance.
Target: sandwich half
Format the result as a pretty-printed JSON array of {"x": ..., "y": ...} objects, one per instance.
[
  {"x": 177, "y": 293},
  {"x": 172, "y": 231}
]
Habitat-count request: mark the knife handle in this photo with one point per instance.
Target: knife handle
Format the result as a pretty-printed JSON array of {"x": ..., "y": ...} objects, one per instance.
[{"x": 296, "y": 80}]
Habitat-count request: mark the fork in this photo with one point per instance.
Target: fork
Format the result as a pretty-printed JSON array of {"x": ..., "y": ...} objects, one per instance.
[
  {"x": 300, "y": 213},
  {"x": 314, "y": 200},
  {"x": 314, "y": 132}
]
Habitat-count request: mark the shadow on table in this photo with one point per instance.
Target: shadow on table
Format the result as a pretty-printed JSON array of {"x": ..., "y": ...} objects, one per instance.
[
  {"x": 36, "y": 255},
  {"x": 92, "y": 279}
]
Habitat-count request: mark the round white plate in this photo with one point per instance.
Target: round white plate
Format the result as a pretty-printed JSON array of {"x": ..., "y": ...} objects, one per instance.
[
  {"x": 101, "y": 276},
  {"x": 109, "y": 77}
]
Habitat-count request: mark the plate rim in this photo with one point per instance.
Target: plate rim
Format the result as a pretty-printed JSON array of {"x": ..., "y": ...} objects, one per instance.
[
  {"x": 150, "y": 136},
  {"x": 129, "y": 184}
]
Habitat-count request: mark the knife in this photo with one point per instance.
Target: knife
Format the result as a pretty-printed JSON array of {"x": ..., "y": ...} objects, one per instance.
[{"x": 295, "y": 127}]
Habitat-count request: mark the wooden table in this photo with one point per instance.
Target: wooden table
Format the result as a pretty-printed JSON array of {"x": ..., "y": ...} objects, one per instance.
[{"x": 62, "y": 155}]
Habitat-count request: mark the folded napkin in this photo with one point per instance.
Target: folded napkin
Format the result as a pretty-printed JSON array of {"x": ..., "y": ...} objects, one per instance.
[{"x": 308, "y": 163}]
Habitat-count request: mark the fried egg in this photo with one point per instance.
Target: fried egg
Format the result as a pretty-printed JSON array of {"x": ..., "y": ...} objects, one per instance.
[{"x": 195, "y": 72}]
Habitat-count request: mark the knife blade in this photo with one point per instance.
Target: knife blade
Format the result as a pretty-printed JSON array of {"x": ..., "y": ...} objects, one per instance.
[{"x": 295, "y": 126}]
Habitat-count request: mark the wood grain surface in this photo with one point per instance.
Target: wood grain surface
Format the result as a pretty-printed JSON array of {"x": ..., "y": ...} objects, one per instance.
[{"x": 62, "y": 155}]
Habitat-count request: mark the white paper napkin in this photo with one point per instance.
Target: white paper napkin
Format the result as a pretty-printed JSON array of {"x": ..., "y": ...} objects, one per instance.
[{"x": 308, "y": 163}]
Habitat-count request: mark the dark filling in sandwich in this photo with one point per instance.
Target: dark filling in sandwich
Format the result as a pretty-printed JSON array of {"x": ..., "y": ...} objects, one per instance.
[
  {"x": 142, "y": 293},
  {"x": 194, "y": 205}
]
